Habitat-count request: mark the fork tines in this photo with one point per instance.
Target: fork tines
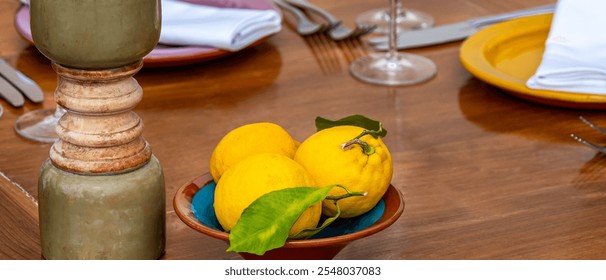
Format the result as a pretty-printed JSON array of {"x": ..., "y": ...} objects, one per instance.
[
  {"x": 598, "y": 148},
  {"x": 334, "y": 27},
  {"x": 592, "y": 125}
]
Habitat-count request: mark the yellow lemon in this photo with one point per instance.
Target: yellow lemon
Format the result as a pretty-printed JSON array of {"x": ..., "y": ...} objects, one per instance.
[
  {"x": 255, "y": 176},
  {"x": 328, "y": 163},
  {"x": 247, "y": 140}
]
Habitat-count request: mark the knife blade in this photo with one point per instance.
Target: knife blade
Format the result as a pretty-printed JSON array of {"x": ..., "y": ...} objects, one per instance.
[
  {"x": 26, "y": 85},
  {"x": 452, "y": 32},
  {"x": 10, "y": 94}
]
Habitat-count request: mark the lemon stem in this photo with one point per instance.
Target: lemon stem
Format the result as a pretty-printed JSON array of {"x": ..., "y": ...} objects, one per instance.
[
  {"x": 346, "y": 195},
  {"x": 339, "y": 197},
  {"x": 367, "y": 149}
]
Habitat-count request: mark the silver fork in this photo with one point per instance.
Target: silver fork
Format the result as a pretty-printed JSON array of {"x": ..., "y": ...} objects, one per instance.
[
  {"x": 362, "y": 30},
  {"x": 336, "y": 30},
  {"x": 585, "y": 142},
  {"x": 305, "y": 26}
]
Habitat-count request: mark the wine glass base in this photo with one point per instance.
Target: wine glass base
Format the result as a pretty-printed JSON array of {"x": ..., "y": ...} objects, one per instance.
[
  {"x": 403, "y": 69},
  {"x": 38, "y": 125},
  {"x": 410, "y": 19},
  {"x": 1, "y": 111}
]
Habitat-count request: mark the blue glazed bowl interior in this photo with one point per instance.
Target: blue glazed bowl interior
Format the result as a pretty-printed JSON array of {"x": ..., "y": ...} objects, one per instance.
[{"x": 203, "y": 210}]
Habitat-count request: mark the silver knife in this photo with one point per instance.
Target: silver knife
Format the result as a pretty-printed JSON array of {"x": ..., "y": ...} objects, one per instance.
[
  {"x": 28, "y": 87},
  {"x": 12, "y": 95},
  {"x": 452, "y": 32}
]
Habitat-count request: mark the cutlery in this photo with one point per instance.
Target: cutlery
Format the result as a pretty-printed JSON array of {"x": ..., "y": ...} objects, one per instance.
[
  {"x": 305, "y": 26},
  {"x": 28, "y": 87},
  {"x": 600, "y": 149},
  {"x": 452, "y": 32},
  {"x": 336, "y": 30},
  {"x": 362, "y": 30},
  {"x": 10, "y": 94}
]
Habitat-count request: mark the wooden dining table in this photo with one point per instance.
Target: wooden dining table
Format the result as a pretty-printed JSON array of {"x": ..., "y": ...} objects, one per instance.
[{"x": 484, "y": 174}]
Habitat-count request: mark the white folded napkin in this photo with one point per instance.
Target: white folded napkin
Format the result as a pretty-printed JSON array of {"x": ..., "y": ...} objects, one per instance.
[
  {"x": 224, "y": 28},
  {"x": 575, "y": 51},
  {"x": 230, "y": 29}
]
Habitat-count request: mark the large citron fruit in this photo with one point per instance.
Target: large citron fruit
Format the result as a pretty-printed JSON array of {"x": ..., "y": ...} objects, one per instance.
[
  {"x": 248, "y": 140},
  {"x": 255, "y": 176},
  {"x": 370, "y": 171}
]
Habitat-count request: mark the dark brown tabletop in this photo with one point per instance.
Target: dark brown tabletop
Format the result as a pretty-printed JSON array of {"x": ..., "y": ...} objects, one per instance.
[{"x": 485, "y": 175}]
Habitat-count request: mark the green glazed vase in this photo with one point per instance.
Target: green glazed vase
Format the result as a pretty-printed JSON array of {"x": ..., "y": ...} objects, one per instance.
[
  {"x": 95, "y": 34},
  {"x": 101, "y": 194},
  {"x": 119, "y": 216}
]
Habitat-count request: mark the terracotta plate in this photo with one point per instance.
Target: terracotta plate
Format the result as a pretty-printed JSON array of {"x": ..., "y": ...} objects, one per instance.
[
  {"x": 321, "y": 248},
  {"x": 164, "y": 56}
]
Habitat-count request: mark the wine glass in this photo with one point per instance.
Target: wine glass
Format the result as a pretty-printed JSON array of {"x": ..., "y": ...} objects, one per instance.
[
  {"x": 39, "y": 125},
  {"x": 393, "y": 68},
  {"x": 406, "y": 19},
  {"x": 1, "y": 111}
]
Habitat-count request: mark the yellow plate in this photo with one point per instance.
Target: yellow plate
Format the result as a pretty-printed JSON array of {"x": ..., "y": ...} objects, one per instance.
[{"x": 507, "y": 54}]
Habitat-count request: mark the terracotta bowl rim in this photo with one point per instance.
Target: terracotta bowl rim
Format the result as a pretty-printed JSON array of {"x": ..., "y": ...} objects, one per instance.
[{"x": 182, "y": 207}]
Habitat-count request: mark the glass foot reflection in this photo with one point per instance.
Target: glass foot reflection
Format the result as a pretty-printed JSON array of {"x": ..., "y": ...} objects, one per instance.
[
  {"x": 39, "y": 125},
  {"x": 393, "y": 69}
]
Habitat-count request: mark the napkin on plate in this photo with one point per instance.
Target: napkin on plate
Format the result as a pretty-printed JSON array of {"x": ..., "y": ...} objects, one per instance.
[
  {"x": 575, "y": 51},
  {"x": 223, "y": 28},
  {"x": 230, "y": 29}
]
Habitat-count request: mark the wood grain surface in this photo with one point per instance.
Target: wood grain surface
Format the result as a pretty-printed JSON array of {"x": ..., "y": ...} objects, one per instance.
[
  {"x": 19, "y": 219},
  {"x": 485, "y": 175}
]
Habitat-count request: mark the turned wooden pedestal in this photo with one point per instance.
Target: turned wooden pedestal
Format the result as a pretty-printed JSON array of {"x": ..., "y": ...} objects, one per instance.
[
  {"x": 101, "y": 193},
  {"x": 99, "y": 132}
]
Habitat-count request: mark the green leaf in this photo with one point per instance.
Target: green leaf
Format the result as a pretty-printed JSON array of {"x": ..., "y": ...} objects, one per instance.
[
  {"x": 356, "y": 120},
  {"x": 259, "y": 229},
  {"x": 309, "y": 232}
]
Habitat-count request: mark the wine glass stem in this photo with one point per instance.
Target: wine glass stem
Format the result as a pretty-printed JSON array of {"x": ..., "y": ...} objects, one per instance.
[
  {"x": 392, "y": 31},
  {"x": 399, "y": 9}
]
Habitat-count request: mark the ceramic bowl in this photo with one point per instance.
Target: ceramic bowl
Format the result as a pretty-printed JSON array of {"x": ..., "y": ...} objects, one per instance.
[{"x": 312, "y": 249}]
